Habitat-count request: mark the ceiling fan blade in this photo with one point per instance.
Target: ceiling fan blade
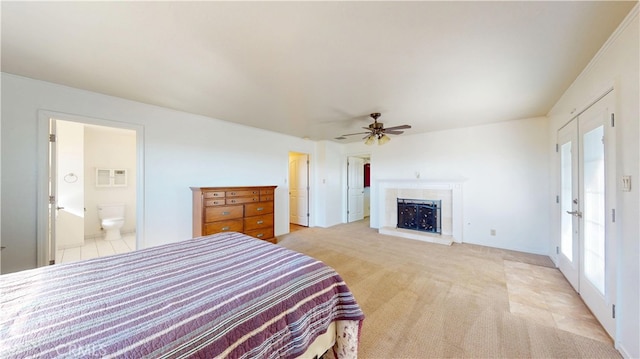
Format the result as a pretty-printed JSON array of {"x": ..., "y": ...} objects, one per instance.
[
  {"x": 358, "y": 133},
  {"x": 402, "y": 127},
  {"x": 393, "y": 132}
]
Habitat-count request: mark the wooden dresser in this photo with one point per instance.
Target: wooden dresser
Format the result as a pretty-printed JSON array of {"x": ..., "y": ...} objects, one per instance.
[{"x": 247, "y": 210}]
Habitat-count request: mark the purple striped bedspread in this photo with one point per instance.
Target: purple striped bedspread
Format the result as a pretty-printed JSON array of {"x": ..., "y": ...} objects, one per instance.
[{"x": 225, "y": 295}]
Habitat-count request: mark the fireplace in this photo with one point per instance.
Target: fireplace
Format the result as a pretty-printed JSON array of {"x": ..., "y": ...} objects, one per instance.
[
  {"x": 420, "y": 215},
  {"x": 450, "y": 226}
]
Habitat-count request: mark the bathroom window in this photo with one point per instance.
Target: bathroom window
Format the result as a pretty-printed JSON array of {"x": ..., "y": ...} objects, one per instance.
[{"x": 110, "y": 177}]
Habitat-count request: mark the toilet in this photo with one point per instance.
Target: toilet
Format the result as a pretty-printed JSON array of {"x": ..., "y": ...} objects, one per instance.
[{"x": 111, "y": 219}]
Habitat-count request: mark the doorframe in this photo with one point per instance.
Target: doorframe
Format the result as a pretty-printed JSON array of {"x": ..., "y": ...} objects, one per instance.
[{"x": 42, "y": 170}]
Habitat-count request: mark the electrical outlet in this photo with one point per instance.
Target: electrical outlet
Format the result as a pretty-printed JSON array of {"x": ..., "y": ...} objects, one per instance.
[{"x": 493, "y": 232}]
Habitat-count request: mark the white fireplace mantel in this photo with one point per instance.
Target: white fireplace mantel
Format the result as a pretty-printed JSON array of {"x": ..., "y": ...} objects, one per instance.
[{"x": 387, "y": 210}]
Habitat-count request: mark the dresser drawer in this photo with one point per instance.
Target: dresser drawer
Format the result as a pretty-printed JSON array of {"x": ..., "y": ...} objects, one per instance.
[
  {"x": 238, "y": 200},
  {"x": 256, "y": 209},
  {"x": 214, "y": 202},
  {"x": 248, "y": 193},
  {"x": 234, "y": 225},
  {"x": 212, "y": 214},
  {"x": 262, "y": 233},
  {"x": 256, "y": 222},
  {"x": 213, "y": 194},
  {"x": 266, "y": 197}
]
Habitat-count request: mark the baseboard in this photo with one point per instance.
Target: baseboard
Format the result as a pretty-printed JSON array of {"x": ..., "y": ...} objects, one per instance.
[{"x": 625, "y": 354}]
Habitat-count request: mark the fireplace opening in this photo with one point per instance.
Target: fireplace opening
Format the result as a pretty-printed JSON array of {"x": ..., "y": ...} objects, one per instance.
[{"x": 420, "y": 215}]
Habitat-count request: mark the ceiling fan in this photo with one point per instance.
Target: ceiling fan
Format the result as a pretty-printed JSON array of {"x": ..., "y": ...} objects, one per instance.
[{"x": 377, "y": 131}]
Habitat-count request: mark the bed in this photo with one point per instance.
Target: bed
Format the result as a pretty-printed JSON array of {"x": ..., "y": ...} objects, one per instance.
[{"x": 224, "y": 295}]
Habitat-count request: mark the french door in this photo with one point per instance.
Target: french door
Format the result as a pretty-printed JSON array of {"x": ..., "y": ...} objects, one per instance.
[{"x": 586, "y": 152}]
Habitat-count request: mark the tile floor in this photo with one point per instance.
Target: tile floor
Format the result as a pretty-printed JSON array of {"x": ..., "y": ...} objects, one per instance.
[
  {"x": 542, "y": 294},
  {"x": 97, "y": 247}
]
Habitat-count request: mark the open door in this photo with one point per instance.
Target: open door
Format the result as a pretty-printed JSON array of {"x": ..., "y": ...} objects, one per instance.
[
  {"x": 355, "y": 189},
  {"x": 299, "y": 189},
  {"x": 68, "y": 186}
]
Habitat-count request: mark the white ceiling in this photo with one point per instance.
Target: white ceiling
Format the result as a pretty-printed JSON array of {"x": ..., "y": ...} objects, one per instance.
[{"x": 316, "y": 69}]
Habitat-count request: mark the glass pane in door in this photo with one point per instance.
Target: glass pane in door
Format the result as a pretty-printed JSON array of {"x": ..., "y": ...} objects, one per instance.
[
  {"x": 566, "y": 240},
  {"x": 594, "y": 207}
]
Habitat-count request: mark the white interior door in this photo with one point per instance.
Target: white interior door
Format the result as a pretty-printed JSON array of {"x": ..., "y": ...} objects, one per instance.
[
  {"x": 355, "y": 188},
  {"x": 587, "y": 200},
  {"x": 299, "y": 189}
]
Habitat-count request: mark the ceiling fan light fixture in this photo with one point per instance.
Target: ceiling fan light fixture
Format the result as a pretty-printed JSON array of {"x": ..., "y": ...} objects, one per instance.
[
  {"x": 369, "y": 141},
  {"x": 383, "y": 139},
  {"x": 377, "y": 131}
]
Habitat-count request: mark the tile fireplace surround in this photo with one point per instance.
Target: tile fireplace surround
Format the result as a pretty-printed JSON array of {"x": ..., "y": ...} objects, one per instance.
[{"x": 450, "y": 193}]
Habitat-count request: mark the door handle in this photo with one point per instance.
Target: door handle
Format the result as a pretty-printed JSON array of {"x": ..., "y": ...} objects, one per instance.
[
  {"x": 575, "y": 213},
  {"x": 59, "y": 208}
]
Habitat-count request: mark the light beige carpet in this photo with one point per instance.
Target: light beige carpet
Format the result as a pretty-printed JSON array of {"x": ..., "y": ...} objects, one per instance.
[{"x": 424, "y": 300}]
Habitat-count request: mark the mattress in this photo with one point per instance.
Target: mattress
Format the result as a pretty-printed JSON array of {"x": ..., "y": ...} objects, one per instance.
[{"x": 224, "y": 295}]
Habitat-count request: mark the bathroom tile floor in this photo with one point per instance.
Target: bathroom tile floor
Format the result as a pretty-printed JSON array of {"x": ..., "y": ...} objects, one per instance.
[{"x": 97, "y": 247}]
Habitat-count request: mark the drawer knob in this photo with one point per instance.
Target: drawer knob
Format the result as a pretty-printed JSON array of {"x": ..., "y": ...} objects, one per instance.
[
  {"x": 259, "y": 208},
  {"x": 226, "y": 228},
  {"x": 260, "y": 222},
  {"x": 260, "y": 235},
  {"x": 225, "y": 213}
]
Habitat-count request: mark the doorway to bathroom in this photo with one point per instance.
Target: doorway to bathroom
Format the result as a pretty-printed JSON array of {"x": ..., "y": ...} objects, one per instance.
[{"x": 92, "y": 164}]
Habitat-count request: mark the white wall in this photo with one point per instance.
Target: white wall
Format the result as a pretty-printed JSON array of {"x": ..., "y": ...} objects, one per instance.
[
  {"x": 331, "y": 165},
  {"x": 617, "y": 64},
  {"x": 504, "y": 172},
  {"x": 109, "y": 148},
  {"x": 181, "y": 150}
]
